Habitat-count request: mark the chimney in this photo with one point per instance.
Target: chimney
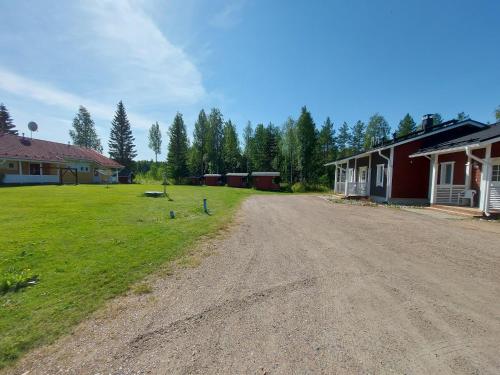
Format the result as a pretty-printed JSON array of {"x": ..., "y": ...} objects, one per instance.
[{"x": 427, "y": 122}]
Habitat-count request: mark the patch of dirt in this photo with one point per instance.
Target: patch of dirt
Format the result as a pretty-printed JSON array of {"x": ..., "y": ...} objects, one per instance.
[{"x": 301, "y": 285}]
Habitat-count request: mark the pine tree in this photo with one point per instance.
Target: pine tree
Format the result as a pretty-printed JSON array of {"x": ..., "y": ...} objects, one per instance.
[
  {"x": 200, "y": 144},
  {"x": 327, "y": 147},
  {"x": 377, "y": 130},
  {"x": 215, "y": 134},
  {"x": 462, "y": 116},
  {"x": 248, "y": 146},
  {"x": 6, "y": 124},
  {"x": 343, "y": 140},
  {"x": 357, "y": 138},
  {"x": 307, "y": 136},
  {"x": 231, "y": 153},
  {"x": 178, "y": 147},
  {"x": 155, "y": 140},
  {"x": 406, "y": 126},
  {"x": 84, "y": 133},
  {"x": 497, "y": 113},
  {"x": 272, "y": 147},
  {"x": 121, "y": 142},
  {"x": 289, "y": 150},
  {"x": 259, "y": 148},
  {"x": 437, "y": 119}
]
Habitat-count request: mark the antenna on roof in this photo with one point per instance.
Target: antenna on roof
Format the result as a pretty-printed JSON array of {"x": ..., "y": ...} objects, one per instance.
[{"x": 33, "y": 127}]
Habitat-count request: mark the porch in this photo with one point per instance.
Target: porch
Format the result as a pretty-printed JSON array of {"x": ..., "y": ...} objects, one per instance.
[{"x": 30, "y": 179}]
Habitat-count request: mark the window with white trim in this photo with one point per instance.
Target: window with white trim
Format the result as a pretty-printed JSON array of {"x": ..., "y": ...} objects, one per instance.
[
  {"x": 446, "y": 173},
  {"x": 350, "y": 174},
  {"x": 380, "y": 175},
  {"x": 495, "y": 175}
]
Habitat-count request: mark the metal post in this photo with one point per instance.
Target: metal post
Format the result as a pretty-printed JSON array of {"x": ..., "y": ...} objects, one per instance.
[{"x": 205, "y": 208}]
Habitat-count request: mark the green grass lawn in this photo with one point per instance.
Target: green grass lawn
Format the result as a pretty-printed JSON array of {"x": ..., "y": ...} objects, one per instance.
[{"x": 88, "y": 243}]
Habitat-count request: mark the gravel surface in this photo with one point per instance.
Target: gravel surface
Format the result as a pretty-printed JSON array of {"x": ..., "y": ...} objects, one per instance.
[{"x": 302, "y": 285}]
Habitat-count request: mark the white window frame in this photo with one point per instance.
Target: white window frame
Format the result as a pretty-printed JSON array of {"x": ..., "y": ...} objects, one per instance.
[
  {"x": 493, "y": 167},
  {"x": 350, "y": 174},
  {"x": 442, "y": 175},
  {"x": 379, "y": 181}
]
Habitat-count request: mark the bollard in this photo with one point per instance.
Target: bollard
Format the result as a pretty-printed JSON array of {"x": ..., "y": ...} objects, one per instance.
[
  {"x": 172, "y": 214},
  {"x": 205, "y": 208}
]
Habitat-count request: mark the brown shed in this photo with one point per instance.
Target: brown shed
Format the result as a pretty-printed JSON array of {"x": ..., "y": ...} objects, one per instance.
[
  {"x": 239, "y": 180},
  {"x": 212, "y": 179},
  {"x": 266, "y": 180}
]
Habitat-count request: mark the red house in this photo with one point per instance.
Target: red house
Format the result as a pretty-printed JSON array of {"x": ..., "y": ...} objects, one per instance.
[
  {"x": 387, "y": 173},
  {"x": 466, "y": 170},
  {"x": 239, "y": 180},
  {"x": 266, "y": 180},
  {"x": 212, "y": 179}
]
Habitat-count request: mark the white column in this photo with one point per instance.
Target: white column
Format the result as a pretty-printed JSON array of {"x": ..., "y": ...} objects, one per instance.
[
  {"x": 369, "y": 180},
  {"x": 485, "y": 181},
  {"x": 434, "y": 175},
  {"x": 335, "y": 180},
  {"x": 389, "y": 175},
  {"x": 346, "y": 178},
  {"x": 468, "y": 172}
]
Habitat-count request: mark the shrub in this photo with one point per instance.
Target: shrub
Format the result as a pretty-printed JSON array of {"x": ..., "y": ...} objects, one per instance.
[
  {"x": 2, "y": 176},
  {"x": 299, "y": 187}
]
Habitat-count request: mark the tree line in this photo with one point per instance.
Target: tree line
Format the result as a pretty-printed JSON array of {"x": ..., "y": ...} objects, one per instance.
[{"x": 298, "y": 148}]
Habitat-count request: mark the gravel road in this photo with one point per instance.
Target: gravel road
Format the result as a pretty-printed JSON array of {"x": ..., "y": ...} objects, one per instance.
[{"x": 301, "y": 285}]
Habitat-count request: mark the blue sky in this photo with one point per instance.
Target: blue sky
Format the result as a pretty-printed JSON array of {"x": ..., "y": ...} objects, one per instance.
[{"x": 256, "y": 60}]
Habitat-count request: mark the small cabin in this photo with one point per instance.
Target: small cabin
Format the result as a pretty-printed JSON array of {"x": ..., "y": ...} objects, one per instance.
[
  {"x": 238, "y": 180},
  {"x": 266, "y": 180},
  {"x": 212, "y": 179}
]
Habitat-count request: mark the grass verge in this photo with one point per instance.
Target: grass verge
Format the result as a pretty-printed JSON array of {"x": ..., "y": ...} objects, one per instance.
[{"x": 70, "y": 248}]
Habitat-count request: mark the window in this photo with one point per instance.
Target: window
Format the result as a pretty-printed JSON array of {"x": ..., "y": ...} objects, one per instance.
[
  {"x": 350, "y": 175},
  {"x": 495, "y": 176},
  {"x": 12, "y": 166},
  {"x": 446, "y": 176},
  {"x": 380, "y": 175},
  {"x": 35, "y": 169}
]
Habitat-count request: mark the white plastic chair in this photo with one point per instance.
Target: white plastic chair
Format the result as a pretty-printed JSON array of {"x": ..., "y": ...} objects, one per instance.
[{"x": 467, "y": 194}]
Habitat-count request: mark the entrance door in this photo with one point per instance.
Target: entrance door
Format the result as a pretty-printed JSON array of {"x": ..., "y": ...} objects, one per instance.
[
  {"x": 495, "y": 186},
  {"x": 362, "y": 178}
]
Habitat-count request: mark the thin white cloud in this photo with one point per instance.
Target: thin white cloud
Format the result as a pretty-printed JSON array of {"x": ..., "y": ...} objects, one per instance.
[
  {"x": 48, "y": 95},
  {"x": 229, "y": 16},
  {"x": 140, "y": 55}
]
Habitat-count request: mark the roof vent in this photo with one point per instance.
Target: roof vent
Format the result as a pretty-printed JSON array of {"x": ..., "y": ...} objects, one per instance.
[{"x": 427, "y": 122}]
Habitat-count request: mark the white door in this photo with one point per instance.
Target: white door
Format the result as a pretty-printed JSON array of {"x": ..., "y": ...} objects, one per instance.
[
  {"x": 363, "y": 173},
  {"x": 495, "y": 186}
]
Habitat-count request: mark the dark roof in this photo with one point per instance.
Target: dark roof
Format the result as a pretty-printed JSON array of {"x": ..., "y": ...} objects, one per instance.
[
  {"x": 23, "y": 148},
  {"x": 419, "y": 133},
  {"x": 481, "y": 136}
]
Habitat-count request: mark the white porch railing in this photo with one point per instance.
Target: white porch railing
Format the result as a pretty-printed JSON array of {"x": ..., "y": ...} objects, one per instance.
[
  {"x": 494, "y": 201},
  {"x": 340, "y": 188},
  {"x": 30, "y": 179},
  {"x": 357, "y": 188},
  {"x": 448, "y": 194}
]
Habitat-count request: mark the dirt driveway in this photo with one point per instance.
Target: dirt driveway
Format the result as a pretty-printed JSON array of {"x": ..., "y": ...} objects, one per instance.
[{"x": 302, "y": 285}]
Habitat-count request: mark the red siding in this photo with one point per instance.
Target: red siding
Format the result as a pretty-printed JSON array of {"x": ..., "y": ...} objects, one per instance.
[
  {"x": 236, "y": 181},
  {"x": 212, "y": 181},
  {"x": 265, "y": 183},
  {"x": 410, "y": 175},
  {"x": 460, "y": 159},
  {"x": 495, "y": 150}
]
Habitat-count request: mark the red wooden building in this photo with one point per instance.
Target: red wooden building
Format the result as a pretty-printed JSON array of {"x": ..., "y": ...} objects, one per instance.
[
  {"x": 387, "y": 173},
  {"x": 239, "y": 180},
  {"x": 212, "y": 179},
  {"x": 266, "y": 180}
]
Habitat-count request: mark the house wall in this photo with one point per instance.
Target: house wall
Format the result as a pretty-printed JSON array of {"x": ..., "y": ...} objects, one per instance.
[
  {"x": 4, "y": 168},
  {"x": 212, "y": 181},
  {"x": 495, "y": 150},
  {"x": 265, "y": 183},
  {"x": 410, "y": 175},
  {"x": 460, "y": 159},
  {"x": 236, "y": 181},
  {"x": 351, "y": 163},
  {"x": 363, "y": 162},
  {"x": 378, "y": 191}
]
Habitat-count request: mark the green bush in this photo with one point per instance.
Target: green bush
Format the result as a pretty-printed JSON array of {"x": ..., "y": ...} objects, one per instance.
[{"x": 299, "y": 187}]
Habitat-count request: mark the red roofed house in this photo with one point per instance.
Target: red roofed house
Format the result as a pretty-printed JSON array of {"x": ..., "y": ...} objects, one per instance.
[{"x": 33, "y": 161}]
